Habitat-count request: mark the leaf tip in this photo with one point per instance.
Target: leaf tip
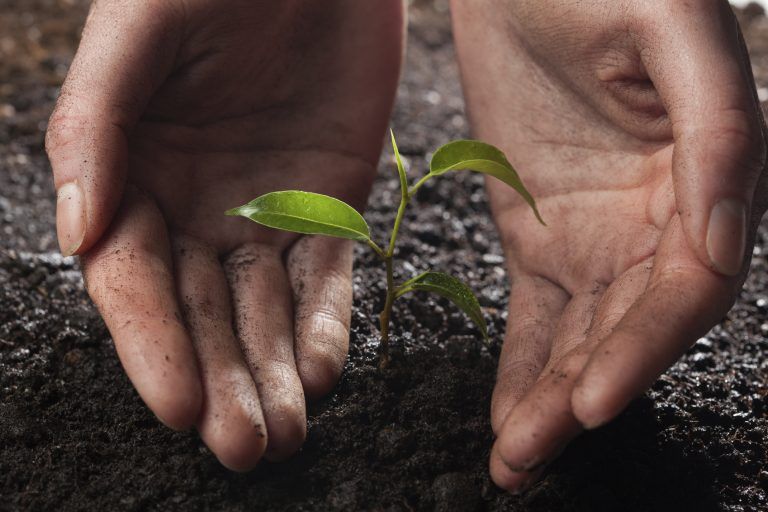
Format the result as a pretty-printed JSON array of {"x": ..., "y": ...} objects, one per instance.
[{"x": 483, "y": 326}]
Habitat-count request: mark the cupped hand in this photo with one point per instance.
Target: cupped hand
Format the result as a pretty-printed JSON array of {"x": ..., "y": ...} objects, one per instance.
[
  {"x": 176, "y": 111},
  {"x": 635, "y": 124}
]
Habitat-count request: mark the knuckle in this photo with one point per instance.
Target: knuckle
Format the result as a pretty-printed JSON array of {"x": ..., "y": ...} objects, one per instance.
[
  {"x": 747, "y": 143},
  {"x": 326, "y": 323},
  {"x": 243, "y": 259},
  {"x": 735, "y": 141},
  {"x": 63, "y": 130}
]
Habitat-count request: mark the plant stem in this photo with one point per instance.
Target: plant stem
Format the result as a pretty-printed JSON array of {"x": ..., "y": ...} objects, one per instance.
[
  {"x": 398, "y": 220},
  {"x": 412, "y": 191},
  {"x": 378, "y": 250},
  {"x": 386, "y": 313}
]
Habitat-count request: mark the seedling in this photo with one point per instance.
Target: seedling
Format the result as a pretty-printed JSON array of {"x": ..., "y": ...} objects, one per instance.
[{"x": 317, "y": 214}]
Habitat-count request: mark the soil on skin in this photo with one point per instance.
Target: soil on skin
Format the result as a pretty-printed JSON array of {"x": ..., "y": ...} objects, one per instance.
[{"x": 75, "y": 436}]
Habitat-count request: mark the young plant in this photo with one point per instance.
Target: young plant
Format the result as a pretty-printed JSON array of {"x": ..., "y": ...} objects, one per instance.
[{"x": 317, "y": 214}]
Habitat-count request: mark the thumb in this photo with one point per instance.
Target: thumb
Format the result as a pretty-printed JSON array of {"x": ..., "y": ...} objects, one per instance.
[
  {"x": 698, "y": 64},
  {"x": 126, "y": 51}
]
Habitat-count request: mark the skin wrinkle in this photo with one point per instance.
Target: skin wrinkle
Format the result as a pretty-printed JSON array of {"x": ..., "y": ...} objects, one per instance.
[
  {"x": 569, "y": 338},
  {"x": 556, "y": 246},
  {"x": 585, "y": 50},
  {"x": 553, "y": 72},
  {"x": 323, "y": 312}
]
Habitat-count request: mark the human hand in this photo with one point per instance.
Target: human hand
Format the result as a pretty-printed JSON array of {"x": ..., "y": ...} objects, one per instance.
[
  {"x": 203, "y": 105},
  {"x": 636, "y": 126}
]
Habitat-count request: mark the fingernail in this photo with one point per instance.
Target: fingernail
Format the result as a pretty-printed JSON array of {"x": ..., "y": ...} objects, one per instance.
[
  {"x": 70, "y": 218},
  {"x": 726, "y": 236}
]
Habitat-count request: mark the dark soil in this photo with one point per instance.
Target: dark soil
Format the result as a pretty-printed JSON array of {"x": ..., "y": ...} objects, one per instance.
[{"x": 75, "y": 436}]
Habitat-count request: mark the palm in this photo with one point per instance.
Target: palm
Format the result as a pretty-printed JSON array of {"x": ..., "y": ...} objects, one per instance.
[
  {"x": 195, "y": 186},
  {"x": 254, "y": 107},
  {"x": 612, "y": 221},
  {"x": 596, "y": 231}
]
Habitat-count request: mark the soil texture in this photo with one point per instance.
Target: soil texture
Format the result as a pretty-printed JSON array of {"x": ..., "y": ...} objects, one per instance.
[{"x": 416, "y": 436}]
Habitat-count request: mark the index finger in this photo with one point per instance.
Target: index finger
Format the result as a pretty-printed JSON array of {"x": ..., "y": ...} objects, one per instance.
[{"x": 128, "y": 275}]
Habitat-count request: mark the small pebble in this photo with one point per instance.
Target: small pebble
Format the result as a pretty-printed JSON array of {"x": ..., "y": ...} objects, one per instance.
[{"x": 493, "y": 259}]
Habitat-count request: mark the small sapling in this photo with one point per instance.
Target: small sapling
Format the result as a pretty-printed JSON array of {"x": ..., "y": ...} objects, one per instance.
[{"x": 317, "y": 214}]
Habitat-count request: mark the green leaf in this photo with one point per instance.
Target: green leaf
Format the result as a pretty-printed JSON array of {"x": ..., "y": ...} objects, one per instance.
[
  {"x": 306, "y": 212},
  {"x": 452, "y": 289},
  {"x": 400, "y": 168},
  {"x": 474, "y": 155}
]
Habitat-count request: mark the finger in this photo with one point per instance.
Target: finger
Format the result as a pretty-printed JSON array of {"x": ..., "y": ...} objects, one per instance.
[
  {"x": 570, "y": 350},
  {"x": 264, "y": 320},
  {"x": 573, "y": 327},
  {"x": 231, "y": 422},
  {"x": 616, "y": 301},
  {"x": 705, "y": 81},
  {"x": 682, "y": 301},
  {"x": 126, "y": 50},
  {"x": 320, "y": 269},
  {"x": 130, "y": 279},
  {"x": 535, "y": 306},
  {"x": 541, "y": 424}
]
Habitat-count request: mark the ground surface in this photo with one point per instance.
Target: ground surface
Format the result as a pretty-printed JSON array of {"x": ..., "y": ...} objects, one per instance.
[{"x": 74, "y": 435}]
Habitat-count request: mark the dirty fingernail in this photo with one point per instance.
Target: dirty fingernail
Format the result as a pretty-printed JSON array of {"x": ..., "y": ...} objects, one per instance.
[
  {"x": 726, "y": 236},
  {"x": 70, "y": 218}
]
